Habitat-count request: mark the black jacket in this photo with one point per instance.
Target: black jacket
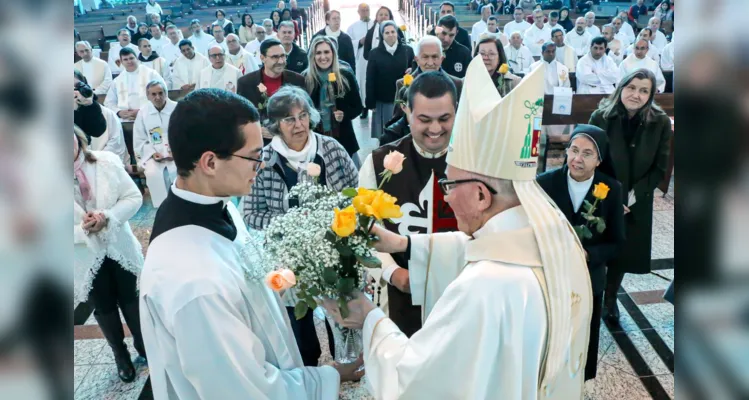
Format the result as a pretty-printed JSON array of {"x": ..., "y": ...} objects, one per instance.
[
  {"x": 90, "y": 119},
  {"x": 370, "y": 36},
  {"x": 383, "y": 70},
  {"x": 461, "y": 37},
  {"x": 297, "y": 60},
  {"x": 456, "y": 61},
  {"x": 602, "y": 247},
  {"x": 247, "y": 87},
  {"x": 345, "y": 48},
  {"x": 398, "y": 129},
  {"x": 351, "y": 106}
]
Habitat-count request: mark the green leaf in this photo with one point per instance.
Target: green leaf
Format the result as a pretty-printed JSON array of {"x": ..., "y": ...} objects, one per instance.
[
  {"x": 589, "y": 217},
  {"x": 346, "y": 285},
  {"x": 311, "y": 303},
  {"x": 343, "y": 249},
  {"x": 330, "y": 236},
  {"x": 313, "y": 291},
  {"x": 349, "y": 192},
  {"x": 587, "y": 234},
  {"x": 343, "y": 306},
  {"x": 369, "y": 261},
  {"x": 329, "y": 276},
  {"x": 300, "y": 310},
  {"x": 600, "y": 225},
  {"x": 587, "y": 204}
]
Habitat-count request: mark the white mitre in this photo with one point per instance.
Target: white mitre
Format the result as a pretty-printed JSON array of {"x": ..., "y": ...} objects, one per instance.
[{"x": 499, "y": 137}]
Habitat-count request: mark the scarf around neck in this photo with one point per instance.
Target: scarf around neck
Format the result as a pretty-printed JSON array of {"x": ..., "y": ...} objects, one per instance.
[
  {"x": 391, "y": 49},
  {"x": 296, "y": 159}
]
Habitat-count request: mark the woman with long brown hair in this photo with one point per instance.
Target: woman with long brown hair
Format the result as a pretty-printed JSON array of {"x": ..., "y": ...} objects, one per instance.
[
  {"x": 639, "y": 132},
  {"x": 493, "y": 55}
]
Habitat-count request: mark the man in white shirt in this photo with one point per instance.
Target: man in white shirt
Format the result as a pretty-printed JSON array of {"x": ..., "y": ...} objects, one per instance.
[
  {"x": 667, "y": 57},
  {"x": 186, "y": 70},
  {"x": 127, "y": 94},
  {"x": 492, "y": 28},
  {"x": 626, "y": 26},
  {"x": 653, "y": 52},
  {"x": 596, "y": 72},
  {"x": 157, "y": 39},
  {"x": 519, "y": 58},
  {"x": 554, "y": 22},
  {"x": 151, "y": 142},
  {"x": 619, "y": 33},
  {"x": 268, "y": 25},
  {"x": 358, "y": 32},
  {"x": 556, "y": 75},
  {"x": 659, "y": 38},
  {"x": 564, "y": 54},
  {"x": 170, "y": 50},
  {"x": 96, "y": 70},
  {"x": 253, "y": 47},
  {"x": 614, "y": 48},
  {"x": 200, "y": 40},
  {"x": 579, "y": 38},
  {"x": 218, "y": 37},
  {"x": 151, "y": 59},
  {"x": 638, "y": 60},
  {"x": 590, "y": 24},
  {"x": 239, "y": 57},
  {"x": 220, "y": 75},
  {"x": 123, "y": 41},
  {"x": 480, "y": 26},
  {"x": 537, "y": 34},
  {"x": 519, "y": 24}
]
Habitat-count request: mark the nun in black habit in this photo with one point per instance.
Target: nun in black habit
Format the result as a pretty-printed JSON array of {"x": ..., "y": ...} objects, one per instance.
[{"x": 587, "y": 164}]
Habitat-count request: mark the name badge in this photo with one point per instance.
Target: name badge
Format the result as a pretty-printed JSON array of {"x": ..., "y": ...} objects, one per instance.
[{"x": 156, "y": 135}]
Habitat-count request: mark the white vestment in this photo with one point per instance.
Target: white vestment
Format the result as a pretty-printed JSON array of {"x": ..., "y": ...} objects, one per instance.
[
  {"x": 158, "y": 44},
  {"x": 151, "y": 135},
  {"x": 624, "y": 38},
  {"x": 244, "y": 61},
  {"x": 567, "y": 56},
  {"x": 161, "y": 66},
  {"x": 476, "y": 31},
  {"x": 519, "y": 60},
  {"x": 97, "y": 73},
  {"x": 128, "y": 90},
  {"x": 212, "y": 333},
  {"x": 653, "y": 52},
  {"x": 633, "y": 63},
  {"x": 223, "y": 45},
  {"x": 535, "y": 37},
  {"x": 170, "y": 52},
  {"x": 557, "y": 75},
  {"x": 512, "y": 27},
  {"x": 357, "y": 31},
  {"x": 200, "y": 43},
  {"x": 667, "y": 58},
  {"x": 629, "y": 31},
  {"x": 114, "y": 55},
  {"x": 596, "y": 76},
  {"x": 614, "y": 47},
  {"x": 186, "y": 71},
  {"x": 253, "y": 47},
  {"x": 113, "y": 138},
  {"x": 499, "y": 36},
  {"x": 581, "y": 43},
  {"x": 224, "y": 78},
  {"x": 660, "y": 40},
  {"x": 593, "y": 30},
  {"x": 485, "y": 329}
]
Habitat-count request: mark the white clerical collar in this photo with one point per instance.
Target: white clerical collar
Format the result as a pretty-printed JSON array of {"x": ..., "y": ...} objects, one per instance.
[
  {"x": 329, "y": 32},
  {"x": 427, "y": 154},
  {"x": 198, "y": 198},
  {"x": 580, "y": 184},
  {"x": 508, "y": 220}
]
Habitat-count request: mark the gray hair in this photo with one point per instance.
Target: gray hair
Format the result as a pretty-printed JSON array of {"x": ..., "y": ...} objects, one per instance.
[
  {"x": 654, "y": 19},
  {"x": 268, "y": 20},
  {"x": 213, "y": 25},
  {"x": 608, "y": 26},
  {"x": 428, "y": 39},
  {"x": 579, "y": 18},
  {"x": 286, "y": 98},
  {"x": 286, "y": 24},
  {"x": 619, "y": 18},
  {"x": 83, "y": 42},
  {"x": 504, "y": 187},
  {"x": 155, "y": 82},
  {"x": 590, "y": 13}
]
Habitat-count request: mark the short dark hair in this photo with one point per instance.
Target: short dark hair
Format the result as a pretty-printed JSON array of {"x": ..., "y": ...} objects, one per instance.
[
  {"x": 431, "y": 85},
  {"x": 154, "y": 26},
  {"x": 547, "y": 45},
  {"x": 448, "y": 21},
  {"x": 555, "y": 30},
  {"x": 554, "y": 14},
  {"x": 185, "y": 42},
  {"x": 598, "y": 40},
  {"x": 448, "y": 3},
  {"x": 647, "y": 28},
  {"x": 194, "y": 128},
  {"x": 126, "y": 50},
  {"x": 141, "y": 40},
  {"x": 267, "y": 44},
  {"x": 492, "y": 18},
  {"x": 220, "y": 11}
]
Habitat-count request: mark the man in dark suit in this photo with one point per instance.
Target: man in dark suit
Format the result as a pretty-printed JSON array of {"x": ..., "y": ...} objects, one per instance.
[
  {"x": 259, "y": 85},
  {"x": 587, "y": 165},
  {"x": 333, "y": 30}
]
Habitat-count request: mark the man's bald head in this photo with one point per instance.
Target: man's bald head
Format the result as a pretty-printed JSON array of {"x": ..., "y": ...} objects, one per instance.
[
  {"x": 590, "y": 18},
  {"x": 516, "y": 39},
  {"x": 654, "y": 23},
  {"x": 641, "y": 48},
  {"x": 232, "y": 42}
]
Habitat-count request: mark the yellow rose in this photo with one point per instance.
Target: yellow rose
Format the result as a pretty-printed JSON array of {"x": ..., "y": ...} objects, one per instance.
[
  {"x": 384, "y": 206},
  {"x": 503, "y": 69},
  {"x": 408, "y": 79},
  {"x": 331, "y": 77},
  {"x": 403, "y": 28},
  {"x": 600, "y": 191},
  {"x": 344, "y": 222},
  {"x": 363, "y": 201}
]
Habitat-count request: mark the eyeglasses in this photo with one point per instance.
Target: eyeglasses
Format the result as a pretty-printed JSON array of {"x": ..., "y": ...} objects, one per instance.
[
  {"x": 277, "y": 57},
  {"x": 303, "y": 117},
  {"x": 219, "y": 55},
  {"x": 488, "y": 55},
  {"x": 573, "y": 152},
  {"x": 258, "y": 161},
  {"x": 447, "y": 185}
]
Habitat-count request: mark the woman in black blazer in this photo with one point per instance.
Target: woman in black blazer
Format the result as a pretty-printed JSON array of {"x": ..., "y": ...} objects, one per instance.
[
  {"x": 338, "y": 102},
  {"x": 586, "y": 165}
]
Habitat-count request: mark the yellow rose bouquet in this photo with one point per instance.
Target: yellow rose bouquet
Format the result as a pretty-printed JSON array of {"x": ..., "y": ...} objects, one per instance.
[{"x": 600, "y": 191}]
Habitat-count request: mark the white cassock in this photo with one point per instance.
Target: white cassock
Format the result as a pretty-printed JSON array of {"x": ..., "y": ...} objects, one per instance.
[
  {"x": 498, "y": 35},
  {"x": 629, "y": 31},
  {"x": 150, "y": 136},
  {"x": 158, "y": 44},
  {"x": 581, "y": 43},
  {"x": 186, "y": 71},
  {"x": 357, "y": 31},
  {"x": 253, "y": 47},
  {"x": 535, "y": 37},
  {"x": 485, "y": 328},
  {"x": 633, "y": 63},
  {"x": 128, "y": 90},
  {"x": 519, "y": 60},
  {"x": 596, "y": 76},
  {"x": 201, "y": 42},
  {"x": 660, "y": 40},
  {"x": 476, "y": 31},
  {"x": 223, "y": 45},
  {"x": 567, "y": 56},
  {"x": 512, "y": 27},
  {"x": 97, "y": 73},
  {"x": 557, "y": 75},
  {"x": 244, "y": 61},
  {"x": 667, "y": 58},
  {"x": 161, "y": 66},
  {"x": 170, "y": 52},
  {"x": 551, "y": 28},
  {"x": 210, "y": 332},
  {"x": 593, "y": 30},
  {"x": 224, "y": 78},
  {"x": 614, "y": 47},
  {"x": 113, "y": 138},
  {"x": 653, "y": 52},
  {"x": 114, "y": 55},
  {"x": 624, "y": 38}
]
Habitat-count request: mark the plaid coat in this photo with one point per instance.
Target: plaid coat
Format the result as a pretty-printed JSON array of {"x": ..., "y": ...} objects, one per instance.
[{"x": 269, "y": 196}]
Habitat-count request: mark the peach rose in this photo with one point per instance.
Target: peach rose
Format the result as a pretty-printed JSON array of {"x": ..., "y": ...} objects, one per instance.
[
  {"x": 280, "y": 280},
  {"x": 394, "y": 162},
  {"x": 262, "y": 88},
  {"x": 313, "y": 170}
]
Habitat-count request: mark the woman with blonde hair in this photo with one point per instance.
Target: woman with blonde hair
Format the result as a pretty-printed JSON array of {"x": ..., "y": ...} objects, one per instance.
[{"x": 335, "y": 93}]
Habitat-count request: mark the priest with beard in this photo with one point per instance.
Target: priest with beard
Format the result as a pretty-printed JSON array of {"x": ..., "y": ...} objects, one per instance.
[
  {"x": 432, "y": 102},
  {"x": 212, "y": 328}
]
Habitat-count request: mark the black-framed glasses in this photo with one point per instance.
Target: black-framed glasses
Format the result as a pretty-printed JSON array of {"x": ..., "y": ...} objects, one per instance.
[
  {"x": 447, "y": 185},
  {"x": 258, "y": 161}
]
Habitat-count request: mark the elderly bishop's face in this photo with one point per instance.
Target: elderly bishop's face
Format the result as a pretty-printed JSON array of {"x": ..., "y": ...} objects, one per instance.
[{"x": 464, "y": 200}]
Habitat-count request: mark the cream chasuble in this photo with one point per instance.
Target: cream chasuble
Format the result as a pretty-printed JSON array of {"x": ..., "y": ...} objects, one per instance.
[
  {"x": 224, "y": 78},
  {"x": 97, "y": 73},
  {"x": 243, "y": 61},
  {"x": 186, "y": 71}
]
